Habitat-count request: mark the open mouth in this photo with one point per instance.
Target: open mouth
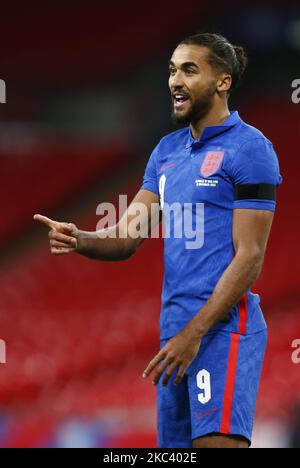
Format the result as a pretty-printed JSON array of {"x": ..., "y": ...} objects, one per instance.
[{"x": 180, "y": 100}]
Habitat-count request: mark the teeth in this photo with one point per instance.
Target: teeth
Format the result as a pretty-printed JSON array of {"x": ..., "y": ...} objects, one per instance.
[{"x": 180, "y": 97}]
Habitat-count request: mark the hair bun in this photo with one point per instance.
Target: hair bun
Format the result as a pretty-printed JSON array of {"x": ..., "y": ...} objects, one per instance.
[{"x": 242, "y": 59}]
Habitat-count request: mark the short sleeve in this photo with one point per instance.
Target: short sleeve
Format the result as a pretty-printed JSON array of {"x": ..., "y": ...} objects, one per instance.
[
  {"x": 255, "y": 174},
  {"x": 150, "y": 176}
]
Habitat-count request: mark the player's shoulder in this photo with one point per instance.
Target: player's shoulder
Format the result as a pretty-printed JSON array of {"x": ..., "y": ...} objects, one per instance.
[
  {"x": 252, "y": 136},
  {"x": 251, "y": 148}
]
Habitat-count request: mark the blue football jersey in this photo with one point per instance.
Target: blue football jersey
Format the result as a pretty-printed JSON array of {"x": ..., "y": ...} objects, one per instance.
[{"x": 200, "y": 183}]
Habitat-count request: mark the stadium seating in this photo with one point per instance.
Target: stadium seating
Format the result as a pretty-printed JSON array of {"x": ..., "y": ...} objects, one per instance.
[
  {"x": 133, "y": 33},
  {"x": 69, "y": 335},
  {"x": 50, "y": 177}
]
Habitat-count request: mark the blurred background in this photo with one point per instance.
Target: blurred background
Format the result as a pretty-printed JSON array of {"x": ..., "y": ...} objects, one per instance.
[{"x": 87, "y": 101}]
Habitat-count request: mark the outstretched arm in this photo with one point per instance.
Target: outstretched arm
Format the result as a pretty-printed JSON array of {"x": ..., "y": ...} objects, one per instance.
[{"x": 118, "y": 244}]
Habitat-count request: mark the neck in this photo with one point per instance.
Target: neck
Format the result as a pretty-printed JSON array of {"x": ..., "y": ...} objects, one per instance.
[{"x": 216, "y": 116}]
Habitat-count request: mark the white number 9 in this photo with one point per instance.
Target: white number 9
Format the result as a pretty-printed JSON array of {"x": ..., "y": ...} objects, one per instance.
[{"x": 203, "y": 382}]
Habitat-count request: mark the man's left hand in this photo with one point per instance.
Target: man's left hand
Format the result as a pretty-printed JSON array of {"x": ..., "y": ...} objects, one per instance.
[{"x": 179, "y": 352}]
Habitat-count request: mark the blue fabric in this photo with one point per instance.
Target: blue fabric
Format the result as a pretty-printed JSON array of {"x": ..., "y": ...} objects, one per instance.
[
  {"x": 204, "y": 175},
  {"x": 182, "y": 416}
]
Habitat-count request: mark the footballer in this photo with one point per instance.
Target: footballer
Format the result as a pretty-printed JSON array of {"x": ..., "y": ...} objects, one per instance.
[{"x": 212, "y": 330}]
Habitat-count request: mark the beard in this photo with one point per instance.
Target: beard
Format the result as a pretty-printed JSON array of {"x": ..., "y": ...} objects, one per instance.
[{"x": 198, "y": 109}]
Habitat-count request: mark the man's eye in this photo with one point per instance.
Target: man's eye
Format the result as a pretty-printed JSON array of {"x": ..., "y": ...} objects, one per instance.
[{"x": 172, "y": 71}]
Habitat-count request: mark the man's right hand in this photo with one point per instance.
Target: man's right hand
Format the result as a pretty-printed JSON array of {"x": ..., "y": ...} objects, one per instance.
[
  {"x": 118, "y": 243},
  {"x": 63, "y": 236}
]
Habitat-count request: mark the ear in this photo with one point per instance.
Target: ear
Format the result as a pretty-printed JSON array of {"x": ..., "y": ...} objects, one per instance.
[{"x": 224, "y": 83}]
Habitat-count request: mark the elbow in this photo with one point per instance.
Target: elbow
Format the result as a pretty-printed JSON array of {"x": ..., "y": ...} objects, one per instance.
[
  {"x": 257, "y": 268},
  {"x": 126, "y": 245},
  {"x": 127, "y": 252},
  {"x": 126, "y": 255},
  {"x": 254, "y": 259},
  {"x": 253, "y": 255}
]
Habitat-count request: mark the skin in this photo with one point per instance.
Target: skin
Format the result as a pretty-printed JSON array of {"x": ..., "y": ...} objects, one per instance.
[
  {"x": 191, "y": 74},
  {"x": 217, "y": 441},
  {"x": 66, "y": 238}
]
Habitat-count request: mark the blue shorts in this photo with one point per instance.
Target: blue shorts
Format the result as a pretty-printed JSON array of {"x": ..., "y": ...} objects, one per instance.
[{"x": 217, "y": 394}]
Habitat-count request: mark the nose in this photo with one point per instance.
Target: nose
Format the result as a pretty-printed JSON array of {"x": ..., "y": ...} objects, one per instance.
[{"x": 176, "y": 81}]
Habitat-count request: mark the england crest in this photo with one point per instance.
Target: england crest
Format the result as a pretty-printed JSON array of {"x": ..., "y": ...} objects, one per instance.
[{"x": 211, "y": 163}]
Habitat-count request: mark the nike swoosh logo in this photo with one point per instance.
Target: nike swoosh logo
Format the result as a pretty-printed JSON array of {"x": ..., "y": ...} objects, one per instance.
[{"x": 168, "y": 166}]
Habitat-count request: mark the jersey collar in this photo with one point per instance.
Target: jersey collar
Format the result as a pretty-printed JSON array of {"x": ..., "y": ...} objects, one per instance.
[{"x": 212, "y": 131}]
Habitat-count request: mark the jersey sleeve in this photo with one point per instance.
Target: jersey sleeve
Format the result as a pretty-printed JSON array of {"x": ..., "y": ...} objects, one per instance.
[
  {"x": 150, "y": 176},
  {"x": 255, "y": 175}
]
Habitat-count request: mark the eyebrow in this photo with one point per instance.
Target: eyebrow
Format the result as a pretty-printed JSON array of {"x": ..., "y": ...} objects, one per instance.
[{"x": 184, "y": 64}]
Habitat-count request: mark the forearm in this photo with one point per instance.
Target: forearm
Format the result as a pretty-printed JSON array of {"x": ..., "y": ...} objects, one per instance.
[
  {"x": 235, "y": 281},
  {"x": 113, "y": 247}
]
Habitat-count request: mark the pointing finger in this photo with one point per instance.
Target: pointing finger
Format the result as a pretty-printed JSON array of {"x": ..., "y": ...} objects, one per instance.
[{"x": 47, "y": 221}]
